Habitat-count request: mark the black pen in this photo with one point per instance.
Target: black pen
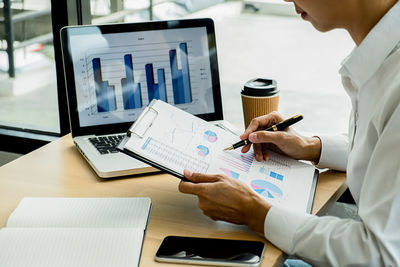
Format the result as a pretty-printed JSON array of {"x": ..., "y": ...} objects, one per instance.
[{"x": 277, "y": 127}]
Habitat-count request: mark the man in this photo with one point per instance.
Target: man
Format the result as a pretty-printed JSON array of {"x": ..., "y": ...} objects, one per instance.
[{"x": 371, "y": 77}]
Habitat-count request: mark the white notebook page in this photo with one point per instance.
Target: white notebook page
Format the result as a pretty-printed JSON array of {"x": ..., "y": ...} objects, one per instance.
[
  {"x": 50, "y": 247},
  {"x": 81, "y": 213}
]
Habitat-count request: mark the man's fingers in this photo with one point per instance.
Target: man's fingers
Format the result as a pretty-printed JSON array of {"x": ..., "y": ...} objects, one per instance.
[
  {"x": 267, "y": 137},
  {"x": 198, "y": 182},
  {"x": 265, "y": 152},
  {"x": 258, "y": 152},
  {"x": 187, "y": 174},
  {"x": 188, "y": 187},
  {"x": 200, "y": 177},
  {"x": 253, "y": 126},
  {"x": 246, "y": 148},
  {"x": 261, "y": 122}
]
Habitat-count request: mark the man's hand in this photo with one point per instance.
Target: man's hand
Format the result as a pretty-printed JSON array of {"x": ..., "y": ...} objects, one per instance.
[
  {"x": 287, "y": 142},
  {"x": 223, "y": 198}
]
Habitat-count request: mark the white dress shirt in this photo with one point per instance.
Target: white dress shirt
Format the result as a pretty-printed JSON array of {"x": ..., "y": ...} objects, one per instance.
[{"x": 371, "y": 77}]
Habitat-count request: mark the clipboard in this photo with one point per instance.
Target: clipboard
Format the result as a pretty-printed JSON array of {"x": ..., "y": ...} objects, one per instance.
[
  {"x": 121, "y": 148},
  {"x": 147, "y": 118},
  {"x": 162, "y": 138}
]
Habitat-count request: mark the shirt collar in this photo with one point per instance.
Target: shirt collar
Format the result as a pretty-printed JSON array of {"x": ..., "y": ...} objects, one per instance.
[{"x": 380, "y": 42}]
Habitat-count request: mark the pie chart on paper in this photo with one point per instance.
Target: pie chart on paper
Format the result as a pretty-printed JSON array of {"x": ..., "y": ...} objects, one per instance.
[
  {"x": 202, "y": 151},
  {"x": 210, "y": 136},
  {"x": 266, "y": 189}
]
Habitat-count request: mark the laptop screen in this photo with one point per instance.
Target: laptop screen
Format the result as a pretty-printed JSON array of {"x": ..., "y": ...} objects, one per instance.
[{"x": 118, "y": 69}]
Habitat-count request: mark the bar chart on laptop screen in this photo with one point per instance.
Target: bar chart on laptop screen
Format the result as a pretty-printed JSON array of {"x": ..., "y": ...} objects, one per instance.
[{"x": 123, "y": 76}]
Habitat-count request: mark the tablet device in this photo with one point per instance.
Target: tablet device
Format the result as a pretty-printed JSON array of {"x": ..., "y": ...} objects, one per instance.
[{"x": 210, "y": 251}]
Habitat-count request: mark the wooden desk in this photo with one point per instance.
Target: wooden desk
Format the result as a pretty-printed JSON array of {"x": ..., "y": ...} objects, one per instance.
[{"x": 58, "y": 170}]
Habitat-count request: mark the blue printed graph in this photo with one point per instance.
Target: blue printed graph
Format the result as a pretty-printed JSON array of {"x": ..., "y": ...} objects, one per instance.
[
  {"x": 230, "y": 173},
  {"x": 276, "y": 175},
  {"x": 271, "y": 174},
  {"x": 210, "y": 136},
  {"x": 266, "y": 189},
  {"x": 238, "y": 160},
  {"x": 202, "y": 151}
]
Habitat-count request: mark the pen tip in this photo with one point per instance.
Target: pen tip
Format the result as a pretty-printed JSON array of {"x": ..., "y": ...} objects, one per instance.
[{"x": 228, "y": 148}]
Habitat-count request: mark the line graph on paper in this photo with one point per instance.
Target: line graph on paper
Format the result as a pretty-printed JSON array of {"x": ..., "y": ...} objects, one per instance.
[
  {"x": 166, "y": 153},
  {"x": 180, "y": 133},
  {"x": 195, "y": 138}
]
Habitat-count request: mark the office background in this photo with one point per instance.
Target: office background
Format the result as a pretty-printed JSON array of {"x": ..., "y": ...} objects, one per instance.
[{"x": 255, "y": 38}]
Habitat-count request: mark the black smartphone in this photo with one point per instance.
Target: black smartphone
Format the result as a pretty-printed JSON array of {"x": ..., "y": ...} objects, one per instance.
[{"x": 210, "y": 251}]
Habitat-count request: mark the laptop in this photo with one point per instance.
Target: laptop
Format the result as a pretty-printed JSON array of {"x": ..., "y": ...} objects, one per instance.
[{"x": 113, "y": 71}]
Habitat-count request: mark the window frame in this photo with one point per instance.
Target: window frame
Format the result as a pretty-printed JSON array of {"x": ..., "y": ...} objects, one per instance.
[{"x": 24, "y": 140}]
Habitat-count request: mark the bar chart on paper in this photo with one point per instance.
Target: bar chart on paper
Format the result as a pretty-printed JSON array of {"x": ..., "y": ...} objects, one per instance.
[
  {"x": 271, "y": 174},
  {"x": 237, "y": 160}
]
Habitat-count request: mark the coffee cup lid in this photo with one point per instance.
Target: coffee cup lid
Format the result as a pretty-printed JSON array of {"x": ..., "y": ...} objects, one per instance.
[{"x": 260, "y": 87}]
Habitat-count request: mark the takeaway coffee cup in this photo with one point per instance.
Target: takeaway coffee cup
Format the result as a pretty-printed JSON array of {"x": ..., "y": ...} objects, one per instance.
[{"x": 259, "y": 97}]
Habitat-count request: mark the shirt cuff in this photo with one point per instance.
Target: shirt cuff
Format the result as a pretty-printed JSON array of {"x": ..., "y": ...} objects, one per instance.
[
  {"x": 334, "y": 152},
  {"x": 280, "y": 226}
]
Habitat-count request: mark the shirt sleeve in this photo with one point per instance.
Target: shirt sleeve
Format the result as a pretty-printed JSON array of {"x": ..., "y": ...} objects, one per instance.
[
  {"x": 334, "y": 152},
  {"x": 373, "y": 241}
]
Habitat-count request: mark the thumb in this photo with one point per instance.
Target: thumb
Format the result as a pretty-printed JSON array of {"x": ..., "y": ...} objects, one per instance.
[{"x": 200, "y": 177}]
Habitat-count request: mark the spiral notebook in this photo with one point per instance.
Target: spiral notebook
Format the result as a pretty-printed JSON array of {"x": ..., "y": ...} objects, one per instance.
[{"x": 173, "y": 140}]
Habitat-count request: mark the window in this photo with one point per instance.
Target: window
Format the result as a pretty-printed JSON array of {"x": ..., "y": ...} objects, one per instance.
[
  {"x": 32, "y": 102},
  {"x": 28, "y": 91}
]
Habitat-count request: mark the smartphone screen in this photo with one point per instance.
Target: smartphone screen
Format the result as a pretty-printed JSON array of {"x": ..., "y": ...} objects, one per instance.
[{"x": 222, "y": 252}]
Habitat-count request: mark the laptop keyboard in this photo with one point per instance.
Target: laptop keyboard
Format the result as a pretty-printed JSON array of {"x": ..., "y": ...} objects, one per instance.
[{"x": 107, "y": 144}]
